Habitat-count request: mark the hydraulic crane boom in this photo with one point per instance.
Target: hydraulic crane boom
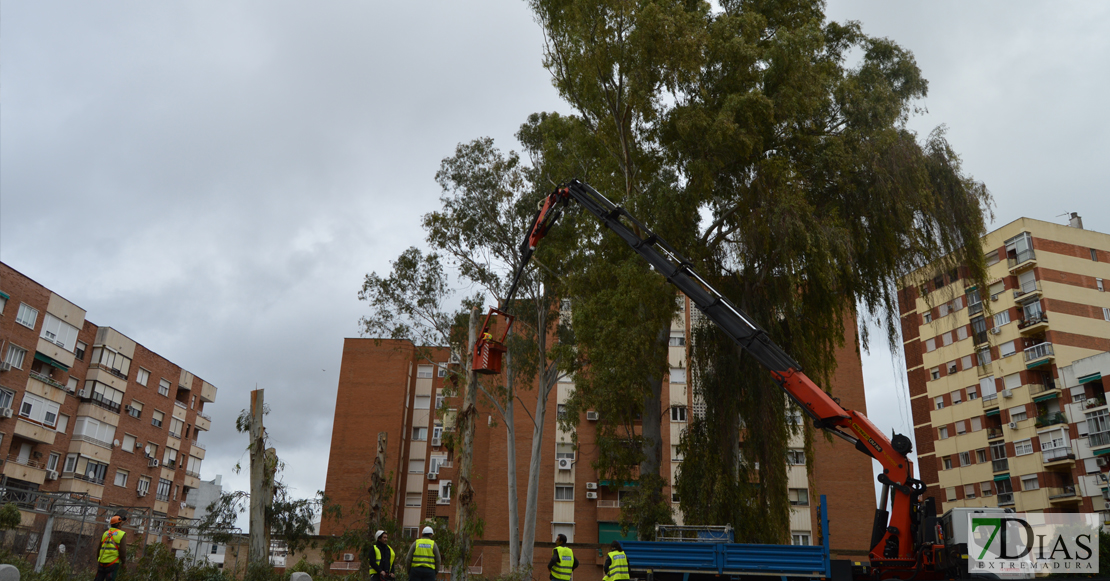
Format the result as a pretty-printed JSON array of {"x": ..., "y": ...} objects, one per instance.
[{"x": 893, "y": 538}]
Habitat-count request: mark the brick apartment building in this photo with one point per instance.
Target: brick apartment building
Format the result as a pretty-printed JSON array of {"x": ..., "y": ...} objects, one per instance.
[
  {"x": 1005, "y": 381},
  {"x": 384, "y": 386},
  {"x": 85, "y": 409}
]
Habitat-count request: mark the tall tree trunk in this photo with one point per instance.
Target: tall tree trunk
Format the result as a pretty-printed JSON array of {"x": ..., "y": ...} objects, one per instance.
[
  {"x": 464, "y": 511},
  {"x": 259, "y": 547},
  {"x": 652, "y": 429},
  {"x": 548, "y": 378},
  {"x": 510, "y": 434}
]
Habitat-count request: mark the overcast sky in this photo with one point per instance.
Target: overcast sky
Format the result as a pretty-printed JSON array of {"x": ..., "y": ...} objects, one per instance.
[{"x": 214, "y": 179}]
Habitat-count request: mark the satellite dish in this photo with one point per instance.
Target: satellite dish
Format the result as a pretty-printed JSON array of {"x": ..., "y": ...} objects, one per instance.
[
  {"x": 115, "y": 443},
  {"x": 147, "y": 450}
]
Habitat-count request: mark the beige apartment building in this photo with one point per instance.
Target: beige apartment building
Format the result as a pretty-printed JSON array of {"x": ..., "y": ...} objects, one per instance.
[{"x": 1005, "y": 381}]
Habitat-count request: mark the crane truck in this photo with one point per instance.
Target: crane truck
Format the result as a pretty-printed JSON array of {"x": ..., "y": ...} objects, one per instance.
[{"x": 907, "y": 541}]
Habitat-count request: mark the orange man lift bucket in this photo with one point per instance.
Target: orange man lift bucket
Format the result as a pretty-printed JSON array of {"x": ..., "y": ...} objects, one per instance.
[{"x": 488, "y": 351}]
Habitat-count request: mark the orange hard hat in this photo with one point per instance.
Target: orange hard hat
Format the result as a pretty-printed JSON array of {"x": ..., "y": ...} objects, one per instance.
[{"x": 116, "y": 520}]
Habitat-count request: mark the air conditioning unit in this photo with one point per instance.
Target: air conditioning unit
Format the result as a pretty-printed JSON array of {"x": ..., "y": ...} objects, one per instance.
[
  {"x": 994, "y": 297},
  {"x": 433, "y": 475},
  {"x": 591, "y": 486},
  {"x": 436, "y": 441},
  {"x": 5, "y": 366},
  {"x": 591, "y": 496},
  {"x": 1013, "y": 425},
  {"x": 84, "y": 393},
  {"x": 996, "y": 330},
  {"x": 454, "y": 359},
  {"x": 592, "y": 416},
  {"x": 348, "y": 557},
  {"x": 563, "y": 463},
  {"x": 6, "y": 413},
  {"x": 153, "y": 463},
  {"x": 184, "y": 505},
  {"x": 51, "y": 474},
  {"x": 1007, "y": 393},
  {"x": 138, "y": 445},
  {"x": 1102, "y": 460},
  {"x": 143, "y": 493}
]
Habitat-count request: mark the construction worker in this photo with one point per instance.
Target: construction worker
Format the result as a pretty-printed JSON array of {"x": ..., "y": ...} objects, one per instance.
[
  {"x": 423, "y": 560},
  {"x": 616, "y": 563},
  {"x": 563, "y": 561},
  {"x": 113, "y": 550},
  {"x": 381, "y": 569}
]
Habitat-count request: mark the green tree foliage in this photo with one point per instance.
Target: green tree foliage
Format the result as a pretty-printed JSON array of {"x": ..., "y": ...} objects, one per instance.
[
  {"x": 789, "y": 134},
  {"x": 9, "y": 517}
]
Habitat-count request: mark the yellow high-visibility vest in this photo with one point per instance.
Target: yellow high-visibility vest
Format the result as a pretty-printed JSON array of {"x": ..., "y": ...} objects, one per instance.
[
  {"x": 424, "y": 555},
  {"x": 109, "y": 546},
  {"x": 378, "y": 558},
  {"x": 562, "y": 570},
  {"x": 618, "y": 566}
]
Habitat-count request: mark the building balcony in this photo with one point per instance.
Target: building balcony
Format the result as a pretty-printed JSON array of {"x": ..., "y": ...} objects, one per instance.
[
  {"x": 994, "y": 433},
  {"x": 202, "y": 422},
  {"x": 1051, "y": 419},
  {"x": 1098, "y": 440},
  {"x": 1064, "y": 495},
  {"x": 1020, "y": 261},
  {"x": 1039, "y": 354},
  {"x": 69, "y": 483},
  {"x": 1001, "y": 465},
  {"x": 1058, "y": 456},
  {"x": 207, "y": 392},
  {"x": 35, "y": 432},
  {"x": 1036, "y": 388},
  {"x": 91, "y": 440},
  {"x": 1028, "y": 290},
  {"x": 98, "y": 400},
  {"x": 42, "y": 377},
  {"x": 26, "y": 469},
  {"x": 1033, "y": 325}
]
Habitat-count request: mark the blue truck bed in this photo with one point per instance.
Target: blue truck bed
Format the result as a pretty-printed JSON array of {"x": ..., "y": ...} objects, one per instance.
[{"x": 799, "y": 562}]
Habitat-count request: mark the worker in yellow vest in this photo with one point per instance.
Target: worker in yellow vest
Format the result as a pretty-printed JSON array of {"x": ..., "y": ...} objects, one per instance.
[
  {"x": 616, "y": 563},
  {"x": 423, "y": 558},
  {"x": 563, "y": 561},
  {"x": 113, "y": 550},
  {"x": 381, "y": 569}
]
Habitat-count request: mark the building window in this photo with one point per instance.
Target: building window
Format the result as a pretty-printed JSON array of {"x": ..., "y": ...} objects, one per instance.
[
  {"x": 129, "y": 443},
  {"x": 26, "y": 316},
  {"x": 441, "y": 370},
  {"x": 424, "y": 371},
  {"x": 972, "y": 393},
  {"x": 410, "y": 532},
  {"x": 1030, "y": 482},
  {"x": 1098, "y": 285},
  {"x": 969, "y": 491},
  {"x": 939, "y": 401},
  {"x": 678, "y": 413},
  {"x": 39, "y": 409},
  {"x": 1006, "y": 349},
  {"x": 981, "y": 456},
  {"x": 419, "y": 434},
  {"x": 947, "y": 463},
  {"x": 564, "y": 450},
  {"x": 799, "y": 539},
  {"x": 1106, "y": 313},
  {"x": 678, "y": 339},
  {"x": 15, "y": 356},
  {"x": 1001, "y": 318},
  {"x": 564, "y": 492},
  {"x": 956, "y": 397},
  {"x": 1018, "y": 413},
  {"x": 799, "y": 497},
  {"x": 156, "y": 418},
  {"x": 164, "y": 387},
  {"x": 121, "y": 478},
  {"x": 6, "y": 399},
  {"x": 934, "y": 374},
  {"x": 986, "y": 487},
  {"x": 1094, "y": 255},
  {"x": 561, "y": 411},
  {"x": 950, "y": 494},
  {"x": 676, "y": 454},
  {"x": 58, "y": 332},
  {"x": 965, "y": 458},
  {"x": 942, "y": 432},
  {"x": 416, "y": 466},
  {"x": 142, "y": 377},
  {"x": 795, "y": 457},
  {"x": 678, "y": 375},
  {"x": 976, "y": 424},
  {"x": 421, "y": 402},
  {"x": 79, "y": 351},
  {"x": 927, "y": 316},
  {"x": 163, "y": 493},
  {"x": 144, "y": 485},
  {"x": 169, "y": 458},
  {"x": 930, "y": 345},
  {"x": 960, "y": 428},
  {"x": 1023, "y": 447},
  {"x": 93, "y": 431},
  {"x": 135, "y": 408}
]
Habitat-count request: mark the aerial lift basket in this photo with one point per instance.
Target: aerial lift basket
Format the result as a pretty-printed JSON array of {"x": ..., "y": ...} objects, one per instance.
[{"x": 488, "y": 351}]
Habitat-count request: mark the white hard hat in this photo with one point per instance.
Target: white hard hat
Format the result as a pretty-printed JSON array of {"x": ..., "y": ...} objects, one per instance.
[{"x": 427, "y": 531}]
